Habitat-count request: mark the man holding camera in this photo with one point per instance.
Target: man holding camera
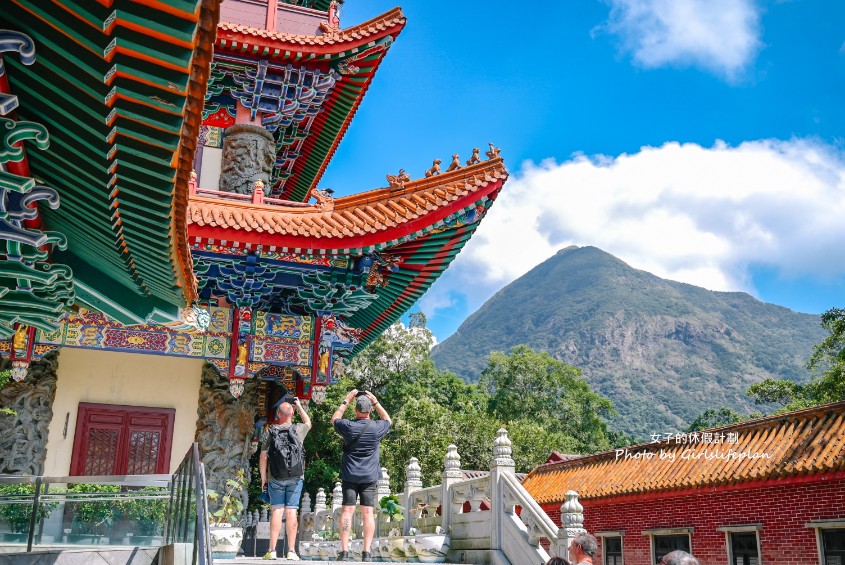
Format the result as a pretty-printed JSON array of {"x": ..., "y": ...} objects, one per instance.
[
  {"x": 282, "y": 450},
  {"x": 361, "y": 465}
]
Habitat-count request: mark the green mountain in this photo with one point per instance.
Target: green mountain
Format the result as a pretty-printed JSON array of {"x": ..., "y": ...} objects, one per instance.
[{"x": 663, "y": 351}]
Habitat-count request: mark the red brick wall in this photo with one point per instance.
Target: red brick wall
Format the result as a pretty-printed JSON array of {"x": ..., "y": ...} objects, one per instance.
[{"x": 783, "y": 510}]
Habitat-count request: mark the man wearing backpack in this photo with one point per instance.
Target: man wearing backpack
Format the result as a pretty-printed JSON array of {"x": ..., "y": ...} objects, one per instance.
[
  {"x": 360, "y": 466},
  {"x": 282, "y": 450}
]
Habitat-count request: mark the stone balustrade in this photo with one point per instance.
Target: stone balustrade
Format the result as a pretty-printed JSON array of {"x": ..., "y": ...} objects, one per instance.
[{"x": 487, "y": 519}]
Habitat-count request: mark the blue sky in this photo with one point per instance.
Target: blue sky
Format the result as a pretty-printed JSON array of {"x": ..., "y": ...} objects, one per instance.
[{"x": 700, "y": 140}]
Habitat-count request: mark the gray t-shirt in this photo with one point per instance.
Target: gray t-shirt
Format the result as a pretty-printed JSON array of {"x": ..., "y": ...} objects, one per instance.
[
  {"x": 362, "y": 463},
  {"x": 301, "y": 430}
]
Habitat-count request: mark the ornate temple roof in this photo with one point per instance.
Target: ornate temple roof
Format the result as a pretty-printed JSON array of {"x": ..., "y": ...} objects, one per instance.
[
  {"x": 121, "y": 94},
  {"x": 353, "y": 222},
  {"x": 350, "y": 56},
  {"x": 246, "y": 39},
  {"x": 416, "y": 229},
  {"x": 805, "y": 443}
]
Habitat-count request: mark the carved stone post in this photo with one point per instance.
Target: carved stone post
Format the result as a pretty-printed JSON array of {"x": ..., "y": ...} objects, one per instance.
[
  {"x": 571, "y": 519},
  {"x": 451, "y": 474},
  {"x": 502, "y": 464},
  {"x": 320, "y": 512},
  {"x": 413, "y": 482},
  {"x": 337, "y": 496},
  {"x": 306, "y": 518},
  {"x": 382, "y": 491},
  {"x": 337, "y": 506},
  {"x": 248, "y": 156}
]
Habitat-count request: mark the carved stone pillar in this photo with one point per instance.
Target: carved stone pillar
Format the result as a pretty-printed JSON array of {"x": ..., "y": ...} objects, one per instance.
[
  {"x": 571, "y": 518},
  {"x": 451, "y": 474},
  {"x": 320, "y": 511},
  {"x": 248, "y": 155},
  {"x": 383, "y": 485},
  {"x": 224, "y": 427},
  {"x": 502, "y": 464},
  {"x": 23, "y": 436},
  {"x": 413, "y": 483}
]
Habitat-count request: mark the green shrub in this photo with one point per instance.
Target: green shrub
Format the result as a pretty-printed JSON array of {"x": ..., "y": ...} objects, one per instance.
[{"x": 17, "y": 515}]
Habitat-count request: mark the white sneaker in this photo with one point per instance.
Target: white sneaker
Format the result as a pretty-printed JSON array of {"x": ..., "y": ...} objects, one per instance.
[{"x": 292, "y": 556}]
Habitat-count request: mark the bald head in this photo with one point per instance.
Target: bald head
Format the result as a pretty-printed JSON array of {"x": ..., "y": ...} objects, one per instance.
[{"x": 285, "y": 412}]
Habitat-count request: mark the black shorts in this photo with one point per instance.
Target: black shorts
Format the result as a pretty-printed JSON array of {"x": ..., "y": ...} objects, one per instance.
[{"x": 367, "y": 492}]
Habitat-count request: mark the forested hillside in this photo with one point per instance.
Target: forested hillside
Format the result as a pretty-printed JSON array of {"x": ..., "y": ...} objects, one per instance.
[{"x": 662, "y": 351}]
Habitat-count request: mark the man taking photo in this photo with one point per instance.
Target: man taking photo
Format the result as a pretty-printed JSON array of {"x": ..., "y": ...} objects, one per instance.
[
  {"x": 361, "y": 464},
  {"x": 282, "y": 451}
]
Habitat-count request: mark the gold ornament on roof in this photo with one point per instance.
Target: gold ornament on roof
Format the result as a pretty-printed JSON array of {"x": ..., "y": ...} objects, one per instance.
[
  {"x": 397, "y": 182},
  {"x": 455, "y": 164},
  {"x": 493, "y": 153},
  {"x": 434, "y": 170},
  {"x": 474, "y": 159}
]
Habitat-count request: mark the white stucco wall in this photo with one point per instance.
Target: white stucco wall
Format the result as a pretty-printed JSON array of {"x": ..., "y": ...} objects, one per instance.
[{"x": 108, "y": 377}]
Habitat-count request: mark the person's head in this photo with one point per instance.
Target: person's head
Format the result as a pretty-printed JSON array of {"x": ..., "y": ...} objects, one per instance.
[
  {"x": 678, "y": 557},
  {"x": 285, "y": 412},
  {"x": 363, "y": 406},
  {"x": 583, "y": 546},
  {"x": 557, "y": 561}
]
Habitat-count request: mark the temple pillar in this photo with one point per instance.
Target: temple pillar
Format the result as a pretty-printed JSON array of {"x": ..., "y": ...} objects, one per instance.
[
  {"x": 249, "y": 153},
  {"x": 224, "y": 427},
  {"x": 23, "y": 435}
]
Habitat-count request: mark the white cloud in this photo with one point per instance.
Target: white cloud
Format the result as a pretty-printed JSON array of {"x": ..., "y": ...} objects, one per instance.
[
  {"x": 683, "y": 212},
  {"x": 721, "y": 36}
]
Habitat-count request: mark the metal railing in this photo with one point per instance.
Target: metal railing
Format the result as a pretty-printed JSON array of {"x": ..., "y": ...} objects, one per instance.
[
  {"x": 101, "y": 510},
  {"x": 187, "y": 510}
]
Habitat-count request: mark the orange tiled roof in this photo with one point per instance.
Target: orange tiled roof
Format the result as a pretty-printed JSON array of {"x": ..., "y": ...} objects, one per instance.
[
  {"x": 806, "y": 442},
  {"x": 374, "y": 27},
  {"x": 371, "y": 212}
]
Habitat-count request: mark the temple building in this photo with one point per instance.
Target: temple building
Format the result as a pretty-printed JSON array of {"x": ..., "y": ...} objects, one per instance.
[
  {"x": 169, "y": 265},
  {"x": 770, "y": 490}
]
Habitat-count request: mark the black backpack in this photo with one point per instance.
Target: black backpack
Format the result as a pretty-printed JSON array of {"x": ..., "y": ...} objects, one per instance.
[{"x": 285, "y": 454}]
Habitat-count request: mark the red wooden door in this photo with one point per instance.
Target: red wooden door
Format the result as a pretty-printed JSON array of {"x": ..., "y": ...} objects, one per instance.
[{"x": 122, "y": 440}]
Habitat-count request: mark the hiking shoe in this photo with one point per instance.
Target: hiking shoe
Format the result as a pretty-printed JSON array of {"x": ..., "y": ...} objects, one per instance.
[
  {"x": 292, "y": 556},
  {"x": 366, "y": 556},
  {"x": 343, "y": 556},
  {"x": 270, "y": 556}
]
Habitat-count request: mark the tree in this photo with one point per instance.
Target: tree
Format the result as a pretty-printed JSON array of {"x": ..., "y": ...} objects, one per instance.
[
  {"x": 534, "y": 386},
  {"x": 544, "y": 404},
  {"x": 718, "y": 417},
  {"x": 827, "y": 363},
  {"x": 828, "y": 360},
  {"x": 393, "y": 352}
]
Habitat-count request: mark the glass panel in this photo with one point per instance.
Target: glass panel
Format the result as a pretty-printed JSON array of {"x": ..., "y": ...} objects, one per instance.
[
  {"x": 667, "y": 544},
  {"x": 613, "y": 551},
  {"x": 833, "y": 546},
  {"x": 744, "y": 548}
]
